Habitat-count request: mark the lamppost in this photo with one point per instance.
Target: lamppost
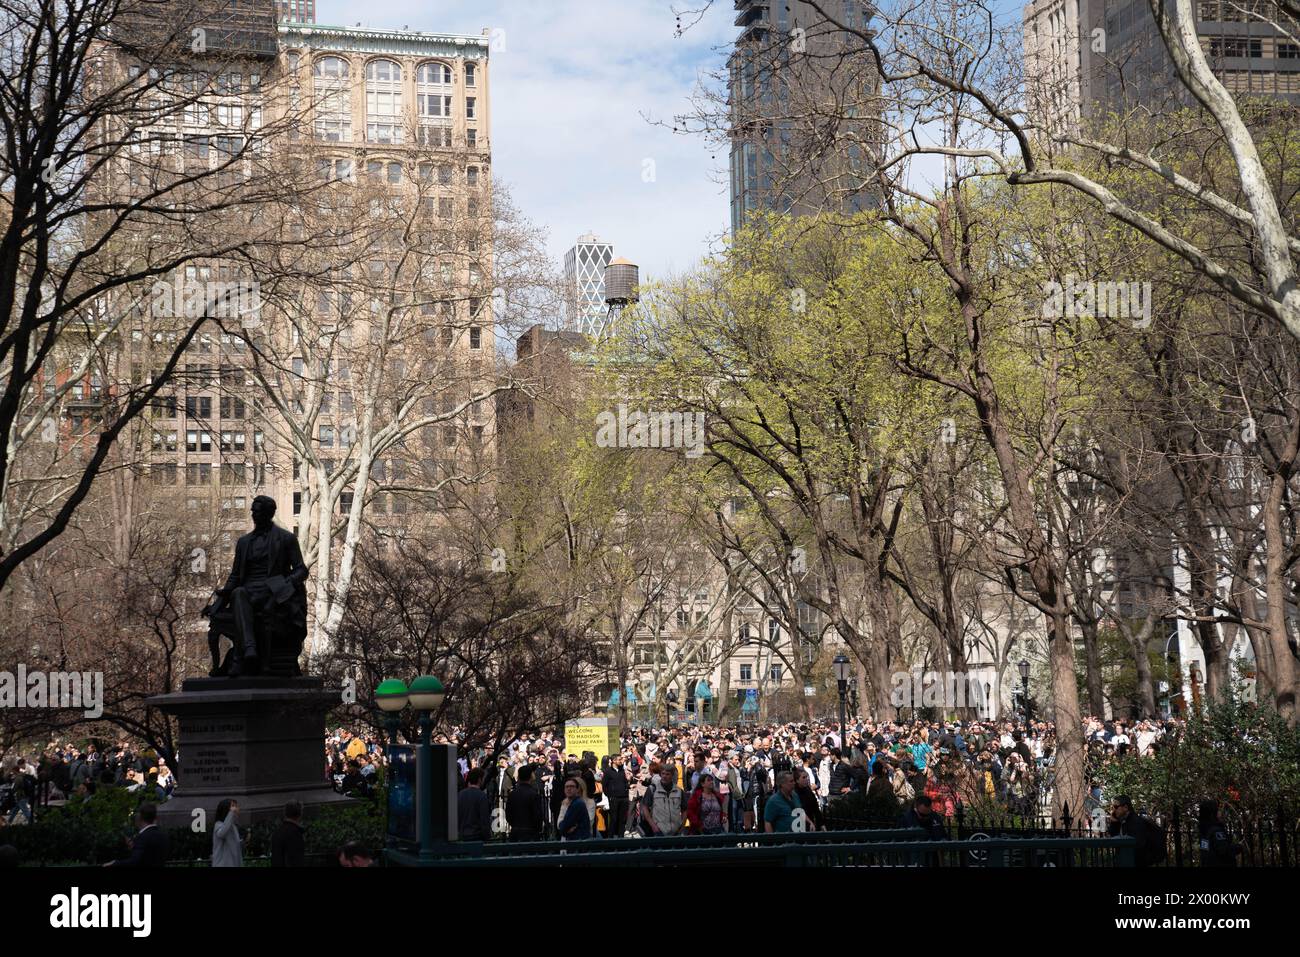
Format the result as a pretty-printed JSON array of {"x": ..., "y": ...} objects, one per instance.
[
  {"x": 425, "y": 695},
  {"x": 841, "y": 664},
  {"x": 1169, "y": 681},
  {"x": 1023, "y": 668},
  {"x": 391, "y": 696}
]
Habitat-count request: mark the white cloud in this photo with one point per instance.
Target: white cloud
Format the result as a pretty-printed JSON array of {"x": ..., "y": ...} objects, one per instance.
[{"x": 570, "y": 95}]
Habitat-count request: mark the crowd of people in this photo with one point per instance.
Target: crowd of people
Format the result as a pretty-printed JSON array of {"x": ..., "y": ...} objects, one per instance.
[
  {"x": 63, "y": 770},
  {"x": 700, "y": 780},
  {"x": 682, "y": 780}
]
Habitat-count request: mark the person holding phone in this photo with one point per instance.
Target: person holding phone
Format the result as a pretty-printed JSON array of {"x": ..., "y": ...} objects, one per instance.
[{"x": 227, "y": 848}]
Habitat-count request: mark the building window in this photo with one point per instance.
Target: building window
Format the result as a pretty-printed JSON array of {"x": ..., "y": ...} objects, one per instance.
[
  {"x": 383, "y": 102},
  {"x": 471, "y": 176},
  {"x": 470, "y": 104},
  {"x": 775, "y": 673},
  {"x": 746, "y": 673},
  {"x": 333, "y": 99},
  {"x": 773, "y": 629},
  {"x": 475, "y": 337},
  {"x": 470, "y": 71},
  {"x": 1222, "y": 47},
  {"x": 433, "y": 103}
]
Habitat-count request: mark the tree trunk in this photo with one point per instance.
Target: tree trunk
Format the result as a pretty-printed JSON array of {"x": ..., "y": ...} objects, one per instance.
[
  {"x": 1200, "y": 566},
  {"x": 1092, "y": 658},
  {"x": 1070, "y": 784},
  {"x": 1284, "y": 669}
]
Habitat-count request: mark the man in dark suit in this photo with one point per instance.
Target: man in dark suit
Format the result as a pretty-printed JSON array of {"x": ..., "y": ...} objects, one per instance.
[
  {"x": 264, "y": 593},
  {"x": 614, "y": 785},
  {"x": 149, "y": 848},
  {"x": 287, "y": 845},
  {"x": 524, "y": 809},
  {"x": 473, "y": 809}
]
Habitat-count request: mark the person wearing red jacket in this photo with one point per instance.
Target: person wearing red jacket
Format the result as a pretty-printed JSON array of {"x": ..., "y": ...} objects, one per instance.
[{"x": 704, "y": 811}]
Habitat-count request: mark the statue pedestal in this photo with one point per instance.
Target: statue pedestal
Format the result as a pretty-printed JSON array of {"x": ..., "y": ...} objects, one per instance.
[{"x": 259, "y": 741}]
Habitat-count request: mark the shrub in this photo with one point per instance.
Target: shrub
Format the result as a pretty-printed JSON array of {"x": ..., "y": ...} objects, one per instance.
[
  {"x": 1239, "y": 754},
  {"x": 86, "y": 830},
  {"x": 94, "y": 830}
]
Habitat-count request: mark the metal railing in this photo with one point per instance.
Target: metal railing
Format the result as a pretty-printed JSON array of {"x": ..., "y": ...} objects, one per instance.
[
  {"x": 817, "y": 850},
  {"x": 741, "y": 839},
  {"x": 1265, "y": 840}
]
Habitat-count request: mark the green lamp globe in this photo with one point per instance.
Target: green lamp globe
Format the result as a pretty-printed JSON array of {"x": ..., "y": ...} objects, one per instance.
[
  {"x": 427, "y": 693},
  {"x": 391, "y": 695}
]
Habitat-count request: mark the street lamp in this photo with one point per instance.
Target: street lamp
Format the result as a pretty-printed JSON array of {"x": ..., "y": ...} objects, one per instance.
[
  {"x": 1023, "y": 668},
  {"x": 1169, "y": 681},
  {"x": 391, "y": 696},
  {"x": 425, "y": 695},
  {"x": 841, "y": 664}
]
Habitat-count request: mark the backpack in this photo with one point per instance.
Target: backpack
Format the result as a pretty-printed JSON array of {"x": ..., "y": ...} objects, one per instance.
[{"x": 1157, "y": 847}]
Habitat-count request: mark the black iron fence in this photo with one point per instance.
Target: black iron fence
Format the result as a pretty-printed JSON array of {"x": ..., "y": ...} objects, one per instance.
[
  {"x": 1265, "y": 840},
  {"x": 880, "y": 848}
]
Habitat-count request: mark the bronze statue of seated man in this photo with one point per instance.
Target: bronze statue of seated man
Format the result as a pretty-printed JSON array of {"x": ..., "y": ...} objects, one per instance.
[{"x": 262, "y": 608}]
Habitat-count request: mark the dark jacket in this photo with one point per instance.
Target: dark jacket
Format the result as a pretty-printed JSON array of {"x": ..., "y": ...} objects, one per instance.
[
  {"x": 1217, "y": 849},
  {"x": 933, "y": 827},
  {"x": 614, "y": 782},
  {"x": 498, "y": 786},
  {"x": 287, "y": 846},
  {"x": 148, "y": 850},
  {"x": 557, "y": 788},
  {"x": 841, "y": 777},
  {"x": 285, "y": 560},
  {"x": 1133, "y": 826},
  {"x": 473, "y": 815},
  {"x": 808, "y": 801},
  {"x": 576, "y": 823},
  {"x": 525, "y": 813}
]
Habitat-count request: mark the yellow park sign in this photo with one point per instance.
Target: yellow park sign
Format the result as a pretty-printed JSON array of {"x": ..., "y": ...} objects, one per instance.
[{"x": 598, "y": 735}]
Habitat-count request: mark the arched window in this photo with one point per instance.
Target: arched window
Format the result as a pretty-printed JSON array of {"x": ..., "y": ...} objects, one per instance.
[
  {"x": 434, "y": 74},
  {"x": 330, "y": 68},
  {"x": 383, "y": 102},
  {"x": 332, "y": 98},
  {"x": 433, "y": 92}
]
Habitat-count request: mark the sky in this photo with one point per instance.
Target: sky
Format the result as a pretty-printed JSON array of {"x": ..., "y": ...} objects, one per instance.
[{"x": 576, "y": 88}]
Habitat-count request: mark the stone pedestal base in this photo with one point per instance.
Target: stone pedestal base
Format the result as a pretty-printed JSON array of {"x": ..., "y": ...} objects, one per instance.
[{"x": 259, "y": 741}]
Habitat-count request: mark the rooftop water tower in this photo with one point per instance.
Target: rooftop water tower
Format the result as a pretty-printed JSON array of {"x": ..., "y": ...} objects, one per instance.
[{"x": 621, "y": 281}]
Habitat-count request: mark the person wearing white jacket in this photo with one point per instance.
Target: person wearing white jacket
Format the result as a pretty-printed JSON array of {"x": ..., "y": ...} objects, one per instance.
[{"x": 227, "y": 850}]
